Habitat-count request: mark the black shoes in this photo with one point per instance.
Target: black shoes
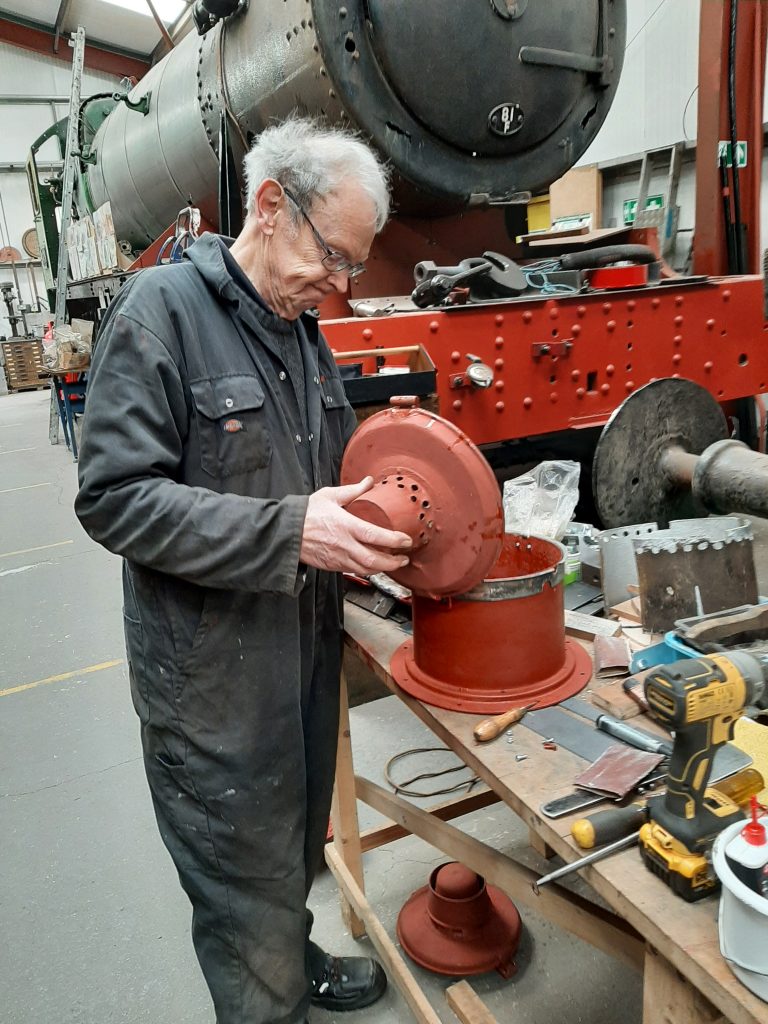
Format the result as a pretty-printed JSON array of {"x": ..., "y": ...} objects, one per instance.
[{"x": 345, "y": 982}]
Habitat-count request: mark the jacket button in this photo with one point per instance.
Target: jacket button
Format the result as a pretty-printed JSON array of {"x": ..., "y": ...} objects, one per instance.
[
  {"x": 282, "y": 375},
  {"x": 228, "y": 402},
  {"x": 316, "y": 380},
  {"x": 298, "y": 438},
  {"x": 311, "y": 437},
  {"x": 329, "y": 399}
]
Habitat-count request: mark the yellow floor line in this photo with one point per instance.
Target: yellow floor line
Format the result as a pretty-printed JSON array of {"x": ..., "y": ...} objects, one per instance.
[
  {"x": 60, "y": 678},
  {"x": 13, "y": 451},
  {"x": 26, "y": 487},
  {"x": 42, "y": 547}
]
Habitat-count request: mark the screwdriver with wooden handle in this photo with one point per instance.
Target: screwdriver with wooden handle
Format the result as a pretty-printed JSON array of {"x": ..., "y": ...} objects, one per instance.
[
  {"x": 490, "y": 728},
  {"x": 615, "y": 823}
]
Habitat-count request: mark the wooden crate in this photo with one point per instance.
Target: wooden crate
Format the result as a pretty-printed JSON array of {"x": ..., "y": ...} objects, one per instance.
[{"x": 23, "y": 361}]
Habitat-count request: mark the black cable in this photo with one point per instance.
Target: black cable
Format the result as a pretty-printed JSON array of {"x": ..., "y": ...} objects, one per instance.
[
  {"x": 739, "y": 254},
  {"x": 404, "y": 787},
  {"x": 685, "y": 111}
]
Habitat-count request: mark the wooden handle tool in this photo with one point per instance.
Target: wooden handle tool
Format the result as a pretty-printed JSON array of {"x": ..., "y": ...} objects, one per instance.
[{"x": 490, "y": 728}]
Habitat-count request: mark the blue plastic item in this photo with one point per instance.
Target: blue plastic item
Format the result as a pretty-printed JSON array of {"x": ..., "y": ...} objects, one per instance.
[
  {"x": 670, "y": 649},
  {"x": 684, "y": 650}
]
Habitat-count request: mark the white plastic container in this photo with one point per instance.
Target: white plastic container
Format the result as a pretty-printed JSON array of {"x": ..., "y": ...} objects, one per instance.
[
  {"x": 743, "y": 921},
  {"x": 747, "y": 854}
]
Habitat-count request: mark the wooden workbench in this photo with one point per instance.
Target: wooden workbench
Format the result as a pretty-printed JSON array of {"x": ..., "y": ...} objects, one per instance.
[{"x": 675, "y": 944}]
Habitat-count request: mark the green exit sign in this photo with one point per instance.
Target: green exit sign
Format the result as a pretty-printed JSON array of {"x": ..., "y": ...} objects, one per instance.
[
  {"x": 724, "y": 149},
  {"x": 651, "y": 203}
]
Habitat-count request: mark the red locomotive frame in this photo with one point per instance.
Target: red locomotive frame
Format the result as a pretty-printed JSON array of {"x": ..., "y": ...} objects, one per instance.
[{"x": 567, "y": 362}]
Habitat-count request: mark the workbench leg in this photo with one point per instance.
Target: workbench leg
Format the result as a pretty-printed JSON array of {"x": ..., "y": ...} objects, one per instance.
[
  {"x": 541, "y": 846},
  {"x": 346, "y": 827},
  {"x": 668, "y": 998}
]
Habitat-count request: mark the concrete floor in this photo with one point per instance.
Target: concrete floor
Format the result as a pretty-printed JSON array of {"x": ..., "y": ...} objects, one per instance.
[{"x": 95, "y": 928}]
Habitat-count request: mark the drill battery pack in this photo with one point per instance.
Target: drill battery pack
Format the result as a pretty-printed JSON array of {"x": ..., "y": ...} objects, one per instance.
[{"x": 689, "y": 875}]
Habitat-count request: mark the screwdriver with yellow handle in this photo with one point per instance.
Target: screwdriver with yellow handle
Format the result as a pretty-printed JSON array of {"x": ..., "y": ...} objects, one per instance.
[
  {"x": 490, "y": 728},
  {"x": 608, "y": 826}
]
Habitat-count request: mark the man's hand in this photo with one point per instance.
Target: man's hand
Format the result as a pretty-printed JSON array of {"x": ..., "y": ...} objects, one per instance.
[{"x": 335, "y": 540}]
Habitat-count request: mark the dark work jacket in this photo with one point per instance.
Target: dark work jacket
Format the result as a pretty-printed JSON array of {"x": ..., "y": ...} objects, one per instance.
[{"x": 189, "y": 470}]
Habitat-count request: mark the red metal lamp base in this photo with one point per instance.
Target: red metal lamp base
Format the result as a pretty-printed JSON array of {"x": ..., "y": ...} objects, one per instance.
[
  {"x": 501, "y": 644},
  {"x": 458, "y": 925},
  {"x": 572, "y": 677}
]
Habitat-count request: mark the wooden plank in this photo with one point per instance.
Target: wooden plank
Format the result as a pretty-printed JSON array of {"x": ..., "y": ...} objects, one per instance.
[
  {"x": 380, "y": 835},
  {"x": 685, "y": 934},
  {"x": 629, "y": 609},
  {"x": 346, "y": 827},
  {"x": 467, "y": 1004},
  {"x": 587, "y": 627},
  {"x": 396, "y": 967},
  {"x": 614, "y": 700},
  {"x": 668, "y": 998},
  {"x": 599, "y": 927}
]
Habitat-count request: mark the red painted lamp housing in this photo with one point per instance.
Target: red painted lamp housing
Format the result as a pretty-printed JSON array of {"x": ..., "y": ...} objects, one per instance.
[{"x": 488, "y": 609}]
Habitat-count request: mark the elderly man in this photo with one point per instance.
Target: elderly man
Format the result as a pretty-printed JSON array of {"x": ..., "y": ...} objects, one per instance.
[{"x": 211, "y": 447}]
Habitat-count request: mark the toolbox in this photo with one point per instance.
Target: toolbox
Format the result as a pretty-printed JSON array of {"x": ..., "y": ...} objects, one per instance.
[{"x": 373, "y": 376}]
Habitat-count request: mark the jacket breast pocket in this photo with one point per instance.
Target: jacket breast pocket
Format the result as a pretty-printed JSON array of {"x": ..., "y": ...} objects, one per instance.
[{"x": 232, "y": 424}]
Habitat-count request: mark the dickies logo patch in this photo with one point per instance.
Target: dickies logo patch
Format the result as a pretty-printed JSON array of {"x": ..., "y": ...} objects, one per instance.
[{"x": 233, "y": 426}]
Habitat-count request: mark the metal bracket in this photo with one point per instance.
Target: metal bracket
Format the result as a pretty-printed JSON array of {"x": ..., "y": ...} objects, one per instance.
[
  {"x": 555, "y": 349},
  {"x": 140, "y": 106},
  {"x": 593, "y": 65}
]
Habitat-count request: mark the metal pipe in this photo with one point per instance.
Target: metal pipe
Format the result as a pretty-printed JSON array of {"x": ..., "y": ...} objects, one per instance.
[
  {"x": 13, "y": 168},
  {"x": 582, "y": 862},
  {"x": 678, "y": 466},
  {"x": 160, "y": 24},
  {"x": 730, "y": 477},
  {"x": 727, "y": 477},
  {"x": 8, "y": 98}
]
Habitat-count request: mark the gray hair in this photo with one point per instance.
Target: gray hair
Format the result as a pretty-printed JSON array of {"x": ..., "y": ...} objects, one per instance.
[{"x": 313, "y": 161}]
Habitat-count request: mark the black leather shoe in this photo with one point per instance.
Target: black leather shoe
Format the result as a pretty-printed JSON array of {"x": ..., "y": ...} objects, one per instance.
[{"x": 346, "y": 982}]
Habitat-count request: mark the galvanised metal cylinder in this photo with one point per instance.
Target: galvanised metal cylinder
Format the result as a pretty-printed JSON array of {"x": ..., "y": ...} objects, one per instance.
[{"x": 472, "y": 103}]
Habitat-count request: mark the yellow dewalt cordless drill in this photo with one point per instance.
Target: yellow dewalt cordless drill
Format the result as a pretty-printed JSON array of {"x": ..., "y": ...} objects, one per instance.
[{"x": 700, "y": 699}]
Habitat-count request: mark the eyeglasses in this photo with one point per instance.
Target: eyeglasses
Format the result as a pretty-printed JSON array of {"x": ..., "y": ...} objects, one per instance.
[{"x": 334, "y": 262}]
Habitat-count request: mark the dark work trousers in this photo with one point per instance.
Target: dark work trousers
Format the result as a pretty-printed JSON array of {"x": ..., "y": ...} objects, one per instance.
[{"x": 239, "y": 747}]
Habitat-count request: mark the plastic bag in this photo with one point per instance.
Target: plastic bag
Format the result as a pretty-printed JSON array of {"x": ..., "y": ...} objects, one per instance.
[
  {"x": 69, "y": 346},
  {"x": 541, "y": 502}
]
